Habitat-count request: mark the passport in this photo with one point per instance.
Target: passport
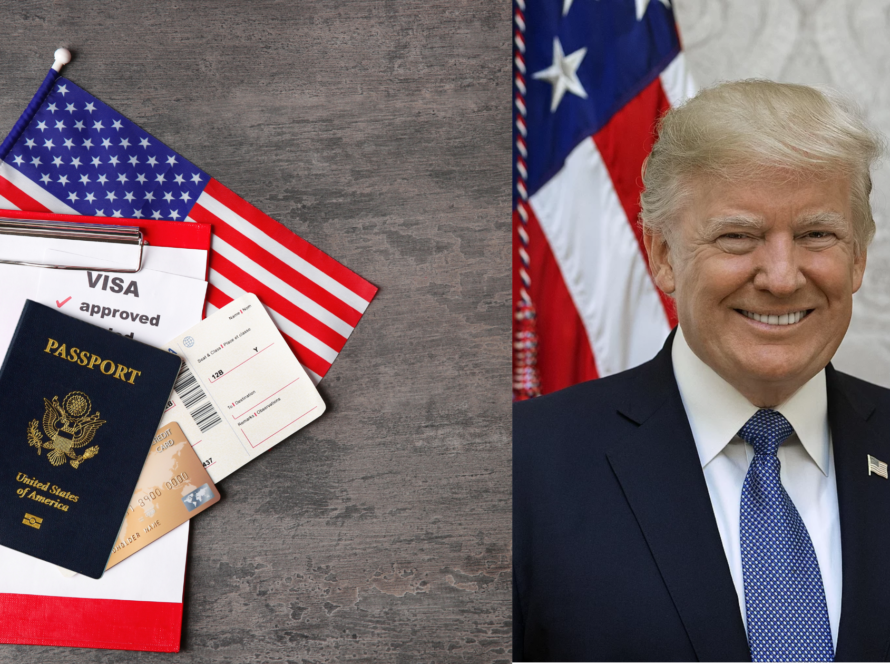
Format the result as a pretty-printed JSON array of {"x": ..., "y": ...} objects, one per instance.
[{"x": 80, "y": 407}]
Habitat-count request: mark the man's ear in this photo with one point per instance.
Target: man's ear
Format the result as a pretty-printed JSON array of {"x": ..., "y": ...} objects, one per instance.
[
  {"x": 660, "y": 261},
  {"x": 859, "y": 269}
]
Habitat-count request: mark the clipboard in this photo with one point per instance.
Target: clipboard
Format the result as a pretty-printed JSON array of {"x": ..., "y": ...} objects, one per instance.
[{"x": 139, "y": 607}]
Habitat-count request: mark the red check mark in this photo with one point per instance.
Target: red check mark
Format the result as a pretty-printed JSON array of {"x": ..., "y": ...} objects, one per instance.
[{"x": 60, "y": 304}]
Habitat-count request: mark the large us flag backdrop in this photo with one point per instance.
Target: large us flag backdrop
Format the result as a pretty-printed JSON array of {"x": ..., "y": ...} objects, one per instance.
[
  {"x": 69, "y": 153},
  {"x": 590, "y": 80}
]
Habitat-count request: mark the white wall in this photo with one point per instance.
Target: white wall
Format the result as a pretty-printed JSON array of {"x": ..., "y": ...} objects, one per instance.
[{"x": 841, "y": 44}]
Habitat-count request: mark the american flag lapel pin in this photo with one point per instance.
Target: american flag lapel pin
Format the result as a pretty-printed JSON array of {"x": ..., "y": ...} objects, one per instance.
[{"x": 877, "y": 467}]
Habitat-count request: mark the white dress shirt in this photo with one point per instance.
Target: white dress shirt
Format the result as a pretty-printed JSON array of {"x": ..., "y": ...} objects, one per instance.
[{"x": 716, "y": 411}]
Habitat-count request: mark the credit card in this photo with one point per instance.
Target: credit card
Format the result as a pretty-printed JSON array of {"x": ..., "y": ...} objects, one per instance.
[
  {"x": 241, "y": 390},
  {"x": 172, "y": 488}
]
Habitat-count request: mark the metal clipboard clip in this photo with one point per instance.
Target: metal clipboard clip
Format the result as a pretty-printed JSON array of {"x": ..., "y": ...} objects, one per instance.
[{"x": 24, "y": 240}]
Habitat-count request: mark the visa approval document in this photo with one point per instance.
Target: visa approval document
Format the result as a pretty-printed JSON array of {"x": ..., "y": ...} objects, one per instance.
[
  {"x": 241, "y": 390},
  {"x": 148, "y": 306}
]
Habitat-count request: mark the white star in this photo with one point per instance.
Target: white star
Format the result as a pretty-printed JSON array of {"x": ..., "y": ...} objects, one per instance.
[
  {"x": 42, "y": 126},
  {"x": 133, "y": 160},
  {"x": 129, "y": 196},
  {"x": 52, "y": 108},
  {"x": 70, "y": 108},
  {"x": 160, "y": 177},
  {"x": 90, "y": 198},
  {"x": 196, "y": 178},
  {"x": 79, "y": 125},
  {"x": 143, "y": 142},
  {"x": 562, "y": 74},
  {"x": 125, "y": 142},
  {"x": 46, "y": 178},
  {"x": 100, "y": 213},
  {"x": 179, "y": 179},
  {"x": 106, "y": 142},
  {"x": 29, "y": 142},
  {"x": 84, "y": 179},
  {"x": 140, "y": 178},
  {"x": 48, "y": 143},
  {"x": 89, "y": 107},
  {"x": 95, "y": 161},
  {"x": 185, "y": 196},
  {"x": 149, "y": 196},
  {"x": 98, "y": 125},
  {"x": 152, "y": 161},
  {"x": 137, "y": 214},
  {"x": 87, "y": 143},
  {"x": 116, "y": 124},
  {"x": 168, "y": 196},
  {"x": 63, "y": 90},
  {"x": 63, "y": 179},
  {"x": 171, "y": 160},
  {"x": 68, "y": 143},
  {"x": 122, "y": 178},
  {"x": 110, "y": 196},
  {"x": 113, "y": 160},
  {"x": 643, "y": 5},
  {"x": 75, "y": 162},
  {"x": 57, "y": 161},
  {"x": 73, "y": 196},
  {"x": 19, "y": 160},
  {"x": 117, "y": 213},
  {"x": 174, "y": 214},
  {"x": 60, "y": 125},
  {"x": 103, "y": 179},
  {"x": 156, "y": 214},
  {"x": 36, "y": 161}
]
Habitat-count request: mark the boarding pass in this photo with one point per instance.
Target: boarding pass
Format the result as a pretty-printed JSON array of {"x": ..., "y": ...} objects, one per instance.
[{"x": 241, "y": 390}]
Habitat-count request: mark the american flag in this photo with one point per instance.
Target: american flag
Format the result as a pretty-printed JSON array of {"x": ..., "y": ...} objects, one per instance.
[
  {"x": 72, "y": 154},
  {"x": 877, "y": 467},
  {"x": 590, "y": 81}
]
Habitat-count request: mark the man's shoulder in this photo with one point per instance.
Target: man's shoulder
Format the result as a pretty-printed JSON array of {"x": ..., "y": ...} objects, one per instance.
[
  {"x": 589, "y": 416},
  {"x": 863, "y": 395},
  {"x": 587, "y": 399}
]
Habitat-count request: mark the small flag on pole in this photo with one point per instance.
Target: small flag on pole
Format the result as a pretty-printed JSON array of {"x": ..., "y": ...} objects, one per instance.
[
  {"x": 877, "y": 467},
  {"x": 69, "y": 153}
]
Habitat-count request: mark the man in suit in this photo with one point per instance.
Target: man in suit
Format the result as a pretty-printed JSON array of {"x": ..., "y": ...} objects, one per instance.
[{"x": 725, "y": 501}]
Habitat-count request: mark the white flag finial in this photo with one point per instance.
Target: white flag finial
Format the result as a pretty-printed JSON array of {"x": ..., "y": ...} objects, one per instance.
[{"x": 63, "y": 57}]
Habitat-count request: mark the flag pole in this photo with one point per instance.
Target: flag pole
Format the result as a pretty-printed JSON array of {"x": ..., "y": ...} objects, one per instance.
[{"x": 62, "y": 57}]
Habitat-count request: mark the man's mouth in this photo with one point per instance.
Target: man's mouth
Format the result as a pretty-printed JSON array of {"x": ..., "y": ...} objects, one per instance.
[{"x": 789, "y": 318}]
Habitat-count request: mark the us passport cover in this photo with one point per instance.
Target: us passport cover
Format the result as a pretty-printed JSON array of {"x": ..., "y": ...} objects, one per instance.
[{"x": 80, "y": 405}]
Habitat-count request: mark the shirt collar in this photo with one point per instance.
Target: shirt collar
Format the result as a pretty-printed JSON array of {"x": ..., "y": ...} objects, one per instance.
[{"x": 716, "y": 410}]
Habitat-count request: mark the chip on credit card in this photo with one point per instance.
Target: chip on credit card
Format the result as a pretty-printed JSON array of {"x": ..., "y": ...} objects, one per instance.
[{"x": 172, "y": 488}]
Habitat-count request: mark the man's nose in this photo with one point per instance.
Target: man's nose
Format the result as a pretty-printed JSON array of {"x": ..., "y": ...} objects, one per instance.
[{"x": 778, "y": 269}]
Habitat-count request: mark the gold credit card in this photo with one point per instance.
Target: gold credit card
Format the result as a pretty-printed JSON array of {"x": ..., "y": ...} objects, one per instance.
[{"x": 172, "y": 488}]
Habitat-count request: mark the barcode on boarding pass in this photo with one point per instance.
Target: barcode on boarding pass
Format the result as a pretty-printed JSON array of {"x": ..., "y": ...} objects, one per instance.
[{"x": 195, "y": 400}]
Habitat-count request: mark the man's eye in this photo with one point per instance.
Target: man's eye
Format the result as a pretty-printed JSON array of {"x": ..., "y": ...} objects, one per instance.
[
  {"x": 819, "y": 235},
  {"x": 733, "y": 236}
]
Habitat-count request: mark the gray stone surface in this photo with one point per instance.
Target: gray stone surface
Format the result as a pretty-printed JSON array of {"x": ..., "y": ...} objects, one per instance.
[{"x": 378, "y": 131}]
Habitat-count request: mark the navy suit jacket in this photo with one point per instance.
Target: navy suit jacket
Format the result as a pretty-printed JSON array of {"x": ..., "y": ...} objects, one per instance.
[{"x": 617, "y": 555}]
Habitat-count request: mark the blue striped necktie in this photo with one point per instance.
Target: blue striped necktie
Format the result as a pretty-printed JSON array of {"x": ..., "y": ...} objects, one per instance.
[{"x": 784, "y": 597}]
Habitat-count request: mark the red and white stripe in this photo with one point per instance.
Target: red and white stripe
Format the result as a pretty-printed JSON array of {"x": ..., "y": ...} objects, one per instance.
[
  {"x": 599, "y": 311},
  {"x": 315, "y": 301}
]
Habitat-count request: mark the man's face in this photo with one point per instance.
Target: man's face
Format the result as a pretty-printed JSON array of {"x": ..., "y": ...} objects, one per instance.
[{"x": 763, "y": 275}]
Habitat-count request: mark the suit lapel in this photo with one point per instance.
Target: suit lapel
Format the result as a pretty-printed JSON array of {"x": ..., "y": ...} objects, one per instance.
[
  {"x": 864, "y": 507},
  {"x": 661, "y": 476}
]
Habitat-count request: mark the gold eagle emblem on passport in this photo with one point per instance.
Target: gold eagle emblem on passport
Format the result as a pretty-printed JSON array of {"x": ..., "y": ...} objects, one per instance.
[{"x": 69, "y": 427}]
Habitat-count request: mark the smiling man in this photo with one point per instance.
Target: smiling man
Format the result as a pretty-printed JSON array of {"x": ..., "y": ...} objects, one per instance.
[{"x": 719, "y": 502}]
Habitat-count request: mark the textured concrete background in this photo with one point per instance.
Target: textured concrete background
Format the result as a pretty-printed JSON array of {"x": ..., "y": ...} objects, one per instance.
[
  {"x": 839, "y": 44},
  {"x": 379, "y": 131}
]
